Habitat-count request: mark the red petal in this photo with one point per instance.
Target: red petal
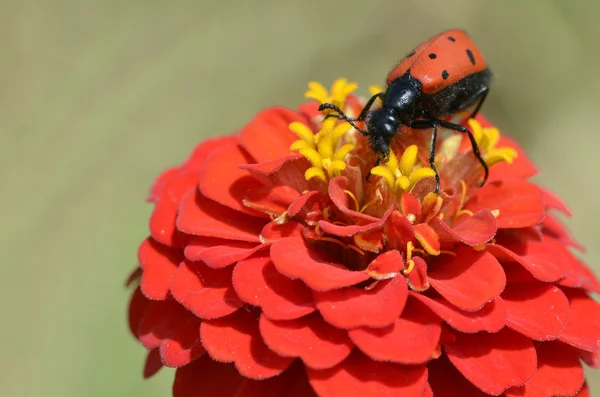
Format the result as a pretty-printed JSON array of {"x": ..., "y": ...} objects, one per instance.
[
  {"x": 161, "y": 181},
  {"x": 236, "y": 339},
  {"x": 521, "y": 167},
  {"x": 355, "y": 307},
  {"x": 417, "y": 278},
  {"x": 476, "y": 229},
  {"x": 359, "y": 376},
  {"x": 539, "y": 311},
  {"x": 555, "y": 202},
  {"x": 218, "y": 253},
  {"x": 428, "y": 238},
  {"x": 273, "y": 232},
  {"x": 272, "y": 200},
  {"x": 206, "y": 292},
  {"x": 545, "y": 260},
  {"x": 583, "y": 329},
  {"x": 138, "y": 304},
  {"x": 386, "y": 265},
  {"x": 159, "y": 321},
  {"x": 291, "y": 383},
  {"x": 258, "y": 283},
  {"x": 521, "y": 203},
  {"x": 201, "y": 216},
  {"x": 295, "y": 259},
  {"x": 317, "y": 343},
  {"x": 410, "y": 205},
  {"x": 411, "y": 339},
  {"x": 554, "y": 228},
  {"x": 268, "y": 136},
  {"x": 159, "y": 263},
  {"x": 153, "y": 363},
  {"x": 559, "y": 373},
  {"x": 446, "y": 381},
  {"x": 284, "y": 171},
  {"x": 493, "y": 362},
  {"x": 399, "y": 230},
  {"x": 490, "y": 318},
  {"x": 223, "y": 181},
  {"x": 302, "y": 201},
  {"x": 207, "y": 378},
  {"x": 580, "y": 276},
  {"x": 341, "y": 200},
  {"x": 469, "y": 280},
  {"x": 584, "y": 392},
  {"x": 182, "y": 346},
  {"x": 204, "y": 149},
  {"x": 163, "y": 219}
]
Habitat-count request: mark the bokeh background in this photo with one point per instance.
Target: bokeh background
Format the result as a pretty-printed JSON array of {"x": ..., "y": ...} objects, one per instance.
[{"x": 96, "y": 97}]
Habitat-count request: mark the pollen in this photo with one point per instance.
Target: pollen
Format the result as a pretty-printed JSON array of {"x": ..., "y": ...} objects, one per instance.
[
  {"x": 322, "y": 149},
  {"x": 340, "y": 89},
  {"x": 402, "y": 175},
  {"x": 487, "y": 139}
]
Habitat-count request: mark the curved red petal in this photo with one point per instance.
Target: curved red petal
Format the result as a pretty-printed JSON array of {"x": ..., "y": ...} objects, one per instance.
[
  {"x": 182, "y": 346},
  {"x": 446, "y": 381},
  {"x": 272, "y": 200},
  {"x": 221, "y": 179},
  {"x": 520, "y": 168},
  {"x": 159, "y": 263},
  {"x": 559, "y": 373},
  {"x": 359, "y": 376},
  {"x": 294, "y": 258},
  {"x": 521, "y": 204},
  {"x": 428, "y": 238},
  {"x": 583, "y": 329},
  {"x": 491, "y": 317},
  {"x": 493, "y": 362},
  {"x": 417, "y": 279},
  {"x": 386, "y": 265},
  {"x": 201, "y": 216},
  {"x": 555, "y": 202},
  {"x": 198, "y": 157},
  {"x": 584, "y": 392},
  {"x": 163, "y": 219},
  {"x": 476, "y": 229},
  {"x": 161, "y": 181},
  {"x": 411, "y": 339},
  {"x": 138, "y": 304},
  {"x": 539, "y": 311},
  {"x": 268, "y": 136},
  {"x": 399, "y": 230},
  {"x": 410, "y": 205},
  {"x": 291, "y": 383},
  {"x": 545, "y": 260},
  {"x": 258, "y": 283},
  {"x": 218, "y": 253},
  {"x": 355, "y": 307},
  {"x": 153, "y": 364},
  {"x": 317, "y": 343},
  {"x": 273, "y": 231},
  {"x": 159, "y": 321},
  {"x": 469, "y": 280},
  {"x": 284, "y": 171},
  {"x": 206, "y": 292},
  {"x": 303, "y": 201},
  {"x": 207, "y": 378},
  {"x": 236, "y": 338},
  {"x": 341, "y": 200},
  {"x": 580, "y": 276},
  {"x": 554, "y": 228}
]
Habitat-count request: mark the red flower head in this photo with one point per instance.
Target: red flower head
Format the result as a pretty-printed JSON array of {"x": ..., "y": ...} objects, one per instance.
[{"x": 274, "y": 269}]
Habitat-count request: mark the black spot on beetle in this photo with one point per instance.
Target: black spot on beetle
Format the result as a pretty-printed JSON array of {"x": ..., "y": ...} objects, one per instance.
[
  {"x": 471, "y": 57},
  {"x": 432, "y": 56},
  {"x": 445, "y": 74},
  {"x": 451, "y": 38}
]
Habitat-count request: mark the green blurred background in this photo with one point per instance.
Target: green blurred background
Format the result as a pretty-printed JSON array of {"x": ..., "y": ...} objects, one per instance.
[{"x": 96, "y": 97}]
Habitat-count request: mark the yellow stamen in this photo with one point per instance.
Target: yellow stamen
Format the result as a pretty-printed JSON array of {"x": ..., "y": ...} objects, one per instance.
[
  {"x": 402, "y": 175},
  {"x": 355, "y": 248},
  {"x": 340, "y": 90},
  {"x": 409, "y": 269},
  {"x": 448, "y": 253},
  {"x": 495, "y": 212},
  {"x": 326, "y": 213},
  {"x": 487, "y": 139},
  {"x": 479, "y": 247},
  {"x": 333, "y": 240},
  {"x": 353, "y": 197},
  {"x": 364, "y": 207}
]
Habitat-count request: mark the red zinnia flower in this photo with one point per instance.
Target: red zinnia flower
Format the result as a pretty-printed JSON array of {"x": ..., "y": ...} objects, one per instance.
[{"x": 273, "y": 268}]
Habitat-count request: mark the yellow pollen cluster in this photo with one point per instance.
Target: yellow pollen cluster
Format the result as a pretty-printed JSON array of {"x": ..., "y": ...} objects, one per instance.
[
  {"x": 321, "y": 149},
  {"x": 340, "y": 89},
  {"x": 487, "y": 139},
  {"x": 402, "y": 176}
]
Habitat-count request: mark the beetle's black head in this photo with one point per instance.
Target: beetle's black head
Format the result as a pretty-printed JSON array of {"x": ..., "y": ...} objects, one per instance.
[{"x": 402, "y": 97}]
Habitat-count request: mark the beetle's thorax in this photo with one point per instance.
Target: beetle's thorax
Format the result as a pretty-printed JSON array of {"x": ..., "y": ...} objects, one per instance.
[{"x": 402, "y": 97}]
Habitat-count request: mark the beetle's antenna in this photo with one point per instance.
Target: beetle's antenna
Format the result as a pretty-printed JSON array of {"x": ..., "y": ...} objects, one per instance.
[{"x": 342, "y": 115}]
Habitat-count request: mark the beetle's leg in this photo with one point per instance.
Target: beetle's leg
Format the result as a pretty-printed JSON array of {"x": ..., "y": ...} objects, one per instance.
[
  {"x": 364, "y": 112},
  {"x": 461, "y": 128},
  {"x": 342, "y": 115},
  {"x": 423, "y": 125}
]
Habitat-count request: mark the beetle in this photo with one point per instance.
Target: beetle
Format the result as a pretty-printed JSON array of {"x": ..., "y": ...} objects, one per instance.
[{"x": 442, "y": 77}]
